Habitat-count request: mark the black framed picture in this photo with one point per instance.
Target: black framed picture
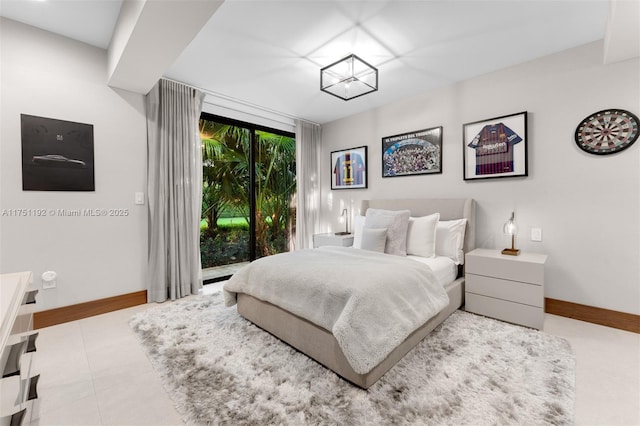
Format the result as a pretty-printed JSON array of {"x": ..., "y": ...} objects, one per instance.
[
  {"x": 495, "y": 148},
  {"x": 57, "y": 155},
  {"x": 607, "y": 132},
  {"x": 349, "y": 168},
  {"x": 412, "y": 153}
]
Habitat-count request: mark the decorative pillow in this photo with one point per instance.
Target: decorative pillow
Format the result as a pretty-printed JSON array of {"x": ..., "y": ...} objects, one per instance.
[
  {"x": 421, "y": 235},
  {"x": 358, "y": 226},
  {"x": 450, "y": 239},
  {"x": 396, "y": 223},
  {"x": 374, "y": 239}
]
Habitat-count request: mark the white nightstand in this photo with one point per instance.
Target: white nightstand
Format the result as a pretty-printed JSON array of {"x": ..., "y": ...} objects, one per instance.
[
  {"x": 508, "y": 288},
  {"x": 332, "y": 239}
]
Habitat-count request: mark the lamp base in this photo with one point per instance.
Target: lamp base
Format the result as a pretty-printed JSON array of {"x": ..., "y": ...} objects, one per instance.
[
  {"x": 342, "y": 233},
  {"x": 511, "y": 251}
]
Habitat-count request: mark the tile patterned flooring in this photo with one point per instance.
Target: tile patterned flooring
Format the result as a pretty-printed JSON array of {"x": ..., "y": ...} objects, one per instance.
[{"x": 94, "y": 372}]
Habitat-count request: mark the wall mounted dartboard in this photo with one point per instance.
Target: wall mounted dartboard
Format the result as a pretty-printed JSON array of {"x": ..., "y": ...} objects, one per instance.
[{"x": 608, "y": 131}]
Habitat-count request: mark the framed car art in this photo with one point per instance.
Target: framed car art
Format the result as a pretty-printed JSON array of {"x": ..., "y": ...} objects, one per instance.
[
  {"x": 57, "y": 155},
  {"x": 607, "y": 132}
]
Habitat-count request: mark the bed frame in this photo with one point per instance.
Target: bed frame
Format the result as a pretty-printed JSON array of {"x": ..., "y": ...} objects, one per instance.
[{"x": 320, "y": 345}]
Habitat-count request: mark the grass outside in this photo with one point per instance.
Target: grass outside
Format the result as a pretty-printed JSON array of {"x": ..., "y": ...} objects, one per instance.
[{"x": 225, "y": 222}]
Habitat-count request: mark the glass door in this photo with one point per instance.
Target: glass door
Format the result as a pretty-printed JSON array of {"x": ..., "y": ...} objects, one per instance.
[
  {"x": 275, "y": 187},
  {"x": 247, "y": 194}
]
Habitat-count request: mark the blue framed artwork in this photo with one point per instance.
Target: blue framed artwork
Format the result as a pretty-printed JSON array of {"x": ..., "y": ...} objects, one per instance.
[{"x": 349, "y": 168}]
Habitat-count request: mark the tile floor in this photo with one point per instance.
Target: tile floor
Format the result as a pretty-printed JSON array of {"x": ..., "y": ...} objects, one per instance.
[{"x": 94, "y": 372}]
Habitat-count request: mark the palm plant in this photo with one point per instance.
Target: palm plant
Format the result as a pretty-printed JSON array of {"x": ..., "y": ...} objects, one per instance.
[
  {"x": 225, "y": 170},
  {"x": 226, "y": 159},
  {"x": 275, "y": 179}
]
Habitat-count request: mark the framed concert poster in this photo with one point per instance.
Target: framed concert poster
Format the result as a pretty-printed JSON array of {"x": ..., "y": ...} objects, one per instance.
[
  {"x": 349, "y": 168},
  {"x": 413, "y": 153},
  {"x": 495, "y": 148}
]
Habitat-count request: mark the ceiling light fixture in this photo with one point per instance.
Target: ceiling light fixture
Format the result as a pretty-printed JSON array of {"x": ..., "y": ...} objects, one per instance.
[{"x": 349, "y": 78}]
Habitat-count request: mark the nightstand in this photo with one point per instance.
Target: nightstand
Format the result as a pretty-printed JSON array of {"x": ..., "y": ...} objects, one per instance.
[
  {"x": 508, "y": 288},
  {"x": 332, "y": 239}
]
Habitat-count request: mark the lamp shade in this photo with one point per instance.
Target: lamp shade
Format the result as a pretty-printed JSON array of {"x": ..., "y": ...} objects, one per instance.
[
  {"x": 349, "y": 78},
  {"x": 511, "y": 228}
]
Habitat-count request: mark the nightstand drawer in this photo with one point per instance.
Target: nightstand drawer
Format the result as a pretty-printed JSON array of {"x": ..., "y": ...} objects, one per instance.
[
  {"x": 514, "y": 291},
  {"x": 516, "y": 313},
  {"x": 320, "y": 240},
  {"x": 527, "y": 267}
]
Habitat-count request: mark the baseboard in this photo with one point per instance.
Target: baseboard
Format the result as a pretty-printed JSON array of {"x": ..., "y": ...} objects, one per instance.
[
  {"x": 609, "y": 318},
  {"x": 88, "y": 309}
]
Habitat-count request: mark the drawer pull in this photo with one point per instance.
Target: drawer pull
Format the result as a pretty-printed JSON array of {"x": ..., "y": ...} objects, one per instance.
[
  {"x": 12, "y": 367},
  {"x": 15, "y": 419},
  {"x": 33, "y": 388},
  {"x": 30, "y": 297},
  {"x": 31, "y": 342}
]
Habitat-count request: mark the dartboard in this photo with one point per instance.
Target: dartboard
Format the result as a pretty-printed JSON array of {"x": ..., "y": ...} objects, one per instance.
[{"x": 608, "y": 131}]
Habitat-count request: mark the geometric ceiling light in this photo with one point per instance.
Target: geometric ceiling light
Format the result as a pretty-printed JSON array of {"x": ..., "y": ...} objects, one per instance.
[{"x": 349, "y": 78}]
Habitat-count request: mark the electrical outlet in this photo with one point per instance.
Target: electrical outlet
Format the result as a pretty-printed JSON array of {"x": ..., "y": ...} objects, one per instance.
[
  {"x": 536, "y": 234},
  {"x": 48, "y": 284},
  {"x": 49, "y": 279}
]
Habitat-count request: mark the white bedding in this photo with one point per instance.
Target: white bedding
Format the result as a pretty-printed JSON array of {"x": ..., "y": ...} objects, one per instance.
[
  {"x": 444, "y": 268},
  {"x": 369, "y": 301}
]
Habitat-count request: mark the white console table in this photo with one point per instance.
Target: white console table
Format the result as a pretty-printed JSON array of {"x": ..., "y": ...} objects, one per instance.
[{"x": 18, "y": 382}]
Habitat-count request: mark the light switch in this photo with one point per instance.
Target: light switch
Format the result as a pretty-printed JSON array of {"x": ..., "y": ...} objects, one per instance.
[
  {"x": 536, "y": 234},
  {"x": 140, "y": 198}
]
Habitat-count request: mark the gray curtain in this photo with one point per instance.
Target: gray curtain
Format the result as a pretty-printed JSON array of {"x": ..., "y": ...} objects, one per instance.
[
  {"x": 174, "y": 185},
  {"x": 308, "y": 140}
]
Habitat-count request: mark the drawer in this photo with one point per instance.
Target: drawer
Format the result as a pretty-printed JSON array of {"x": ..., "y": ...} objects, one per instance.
[
  {"x": 513, "y": 291},
  {"x": 11, "y": 391},
  {"x": 331, "y": 240},
  {"x": 516, "y": 313},
  {"x": 527, "y": 267}
]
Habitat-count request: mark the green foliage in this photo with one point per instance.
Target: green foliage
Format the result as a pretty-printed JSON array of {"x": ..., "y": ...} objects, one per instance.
[
  {"x": 226, "y": 151},
  {"x": 227, "y": 247}
]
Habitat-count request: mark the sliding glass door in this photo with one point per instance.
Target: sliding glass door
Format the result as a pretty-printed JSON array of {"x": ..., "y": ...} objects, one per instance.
[{"x": 248, "y": 208}]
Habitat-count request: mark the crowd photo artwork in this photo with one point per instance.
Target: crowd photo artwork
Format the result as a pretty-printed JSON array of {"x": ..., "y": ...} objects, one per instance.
[{"x": 412, "y": 153}]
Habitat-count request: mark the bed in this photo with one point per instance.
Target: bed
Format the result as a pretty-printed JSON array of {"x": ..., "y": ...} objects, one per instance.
[{"x": 319, "y": 343}]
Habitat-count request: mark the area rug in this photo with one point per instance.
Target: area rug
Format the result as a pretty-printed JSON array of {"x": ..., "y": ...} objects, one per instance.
[{"x": 221, "y": 369}]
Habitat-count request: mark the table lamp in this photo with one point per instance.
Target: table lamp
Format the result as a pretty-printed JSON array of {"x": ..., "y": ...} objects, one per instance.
[{"x": 510, "y": 228}]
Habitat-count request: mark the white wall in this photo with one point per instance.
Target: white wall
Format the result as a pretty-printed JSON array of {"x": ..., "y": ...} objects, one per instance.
[
  {"x": 587, "y": 205},
  {"x": 95, "y": 257}
]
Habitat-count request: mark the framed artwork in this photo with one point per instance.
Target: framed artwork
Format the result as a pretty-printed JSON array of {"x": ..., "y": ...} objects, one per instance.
[
  {"x": 57, "y": 155},
  {"x": 413, "y": 153},
  {"x": 607, "y": 132},
  {"x": 495, "y": 148},
  {"x": 349, "y": 168}
]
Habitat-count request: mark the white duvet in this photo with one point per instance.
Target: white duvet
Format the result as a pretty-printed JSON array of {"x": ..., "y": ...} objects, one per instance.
[{"x": 370, "y": 301}]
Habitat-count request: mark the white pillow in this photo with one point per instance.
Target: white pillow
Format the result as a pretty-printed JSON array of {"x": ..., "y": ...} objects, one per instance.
[
  {"x": 374, "y": 239},
  {"x": 396, "y": 223},
  {"x": 358, "y": 226},
  {"x": 450, "y": 239},
  {"x": 421, "y": 235}
]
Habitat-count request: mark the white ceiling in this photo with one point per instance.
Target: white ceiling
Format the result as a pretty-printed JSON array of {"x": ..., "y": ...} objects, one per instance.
[{"x": 269, "y": 53}]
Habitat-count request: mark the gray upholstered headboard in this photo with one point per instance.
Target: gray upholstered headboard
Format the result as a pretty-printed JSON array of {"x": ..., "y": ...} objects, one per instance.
[{"x": 449, "y": 209}]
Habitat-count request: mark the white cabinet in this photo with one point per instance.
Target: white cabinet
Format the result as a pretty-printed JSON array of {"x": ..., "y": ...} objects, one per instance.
[
  {"x": 509, "y": 288},
  {"x": 18, "y": 382},
  {"x": 331, "y": 239}
]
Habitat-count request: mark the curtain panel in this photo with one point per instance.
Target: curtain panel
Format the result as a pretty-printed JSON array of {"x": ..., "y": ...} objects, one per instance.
[
  {"x": 174, "y": 185},
  {"x": 308, "y": 140}
]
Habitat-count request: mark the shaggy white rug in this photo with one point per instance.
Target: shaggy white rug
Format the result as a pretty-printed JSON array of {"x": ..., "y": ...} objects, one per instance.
[{"x": 221, "y": 369}]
